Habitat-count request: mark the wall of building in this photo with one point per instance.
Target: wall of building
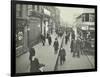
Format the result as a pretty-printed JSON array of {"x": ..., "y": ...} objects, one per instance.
[
  {"x": 50, "y": 16},
  {"x": 38, "y": 19},
  {"x": 31, "y": 18},
  {"x": 21, "y": 23}
]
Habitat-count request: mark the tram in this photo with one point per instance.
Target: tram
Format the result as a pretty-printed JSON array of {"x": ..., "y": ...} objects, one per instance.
[{"x": 88, "y": 37}]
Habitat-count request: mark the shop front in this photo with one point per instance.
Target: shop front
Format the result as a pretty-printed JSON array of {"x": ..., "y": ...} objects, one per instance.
[
  {"x": 20, "y": 35},
  {"x": 34, "y": 31}
]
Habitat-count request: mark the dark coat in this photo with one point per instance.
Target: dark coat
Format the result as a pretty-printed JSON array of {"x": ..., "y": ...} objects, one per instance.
[
  {"x": 56, "y": 45},
  {"x": 66, "y": 39},
  {"x": 76, "y": 46},
  {"x": 43, "y": 38},
  {"x": 73, "y": 45},
  {"x": 73, "y": 35},
  {"x": 32, "y": 53},
  {"x": 62, "y": 54},
  {"x": 49, "y": 39},
  {"x": 47, "y": 35},
  {"x": 68, "y": 35},
  {"x": 35, "y": 66}
]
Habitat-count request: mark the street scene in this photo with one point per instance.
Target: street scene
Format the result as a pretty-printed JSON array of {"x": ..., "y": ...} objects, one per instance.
[{"x": 52, "y": 38}]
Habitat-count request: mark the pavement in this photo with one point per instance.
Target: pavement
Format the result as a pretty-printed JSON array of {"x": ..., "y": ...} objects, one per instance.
[
  {"x": 75, "y": 63},
  {"x": 45, "y": 54}
]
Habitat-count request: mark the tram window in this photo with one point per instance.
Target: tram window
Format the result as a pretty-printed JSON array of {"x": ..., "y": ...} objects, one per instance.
[
  {"x": 87, "y": 17},
  {"x": 91, "y": 17}
]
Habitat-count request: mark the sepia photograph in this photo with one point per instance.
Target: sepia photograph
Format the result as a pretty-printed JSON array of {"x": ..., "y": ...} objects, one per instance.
[{"x": 54, "y": 38}]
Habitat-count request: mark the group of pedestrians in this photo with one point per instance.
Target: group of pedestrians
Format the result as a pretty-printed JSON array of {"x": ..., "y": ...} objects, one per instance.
[
  {"x": 77, "y": 45},
  {"x": 35, "y": 65},
  {"x": 62, "y": 51},
  {"x": 49, "y": 38},
  {"x": 43, "y": 39}
]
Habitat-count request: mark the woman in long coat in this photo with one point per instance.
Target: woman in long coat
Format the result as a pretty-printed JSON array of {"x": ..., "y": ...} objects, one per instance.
[
  {"x": 74, "y": 47},
  {"x": 49, "y": 40},
  {"x": 78, "y": 47},
  {"x": 72, "y": 39},
  {"x": 66, "y": 39},
  {"x": 56, "y": 45}
]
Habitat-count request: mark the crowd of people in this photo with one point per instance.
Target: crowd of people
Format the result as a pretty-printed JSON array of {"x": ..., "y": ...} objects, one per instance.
[
  {"x": 77, "y": 45},
  {"x": 62, "y": 51},
  {"x": 35, "y": 66},
  {"x": 76, "y": 48}
]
